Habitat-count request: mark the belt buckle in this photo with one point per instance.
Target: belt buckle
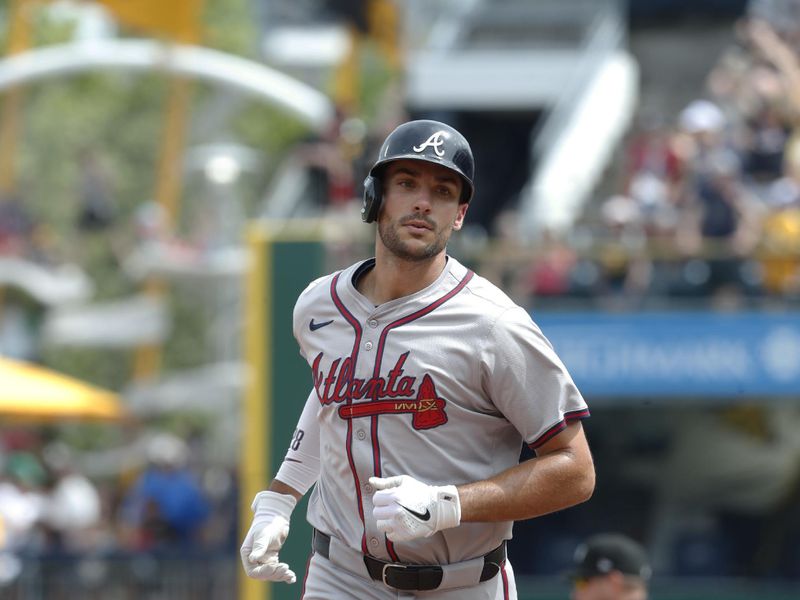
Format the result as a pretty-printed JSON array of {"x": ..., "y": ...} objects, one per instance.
[{"x": 392, "y": 565}]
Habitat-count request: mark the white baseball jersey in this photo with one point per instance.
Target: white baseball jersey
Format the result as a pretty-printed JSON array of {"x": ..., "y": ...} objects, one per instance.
[{"x": 443, "y": 385}]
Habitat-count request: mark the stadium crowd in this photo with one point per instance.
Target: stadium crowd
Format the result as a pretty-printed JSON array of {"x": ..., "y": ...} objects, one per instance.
[{"x": 708, "y": 202}]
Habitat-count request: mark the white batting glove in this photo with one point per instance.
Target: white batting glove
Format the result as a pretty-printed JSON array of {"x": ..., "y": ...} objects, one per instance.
[
  {"x": 268, "y": 531},
  {"x": 407, "y": 509}
]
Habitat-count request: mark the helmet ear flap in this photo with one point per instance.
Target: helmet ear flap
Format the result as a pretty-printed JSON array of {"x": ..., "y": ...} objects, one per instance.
[{"x": 372, "y": 199}]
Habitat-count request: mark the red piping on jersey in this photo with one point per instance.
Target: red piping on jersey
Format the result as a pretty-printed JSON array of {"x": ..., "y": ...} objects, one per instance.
[
  {"x": 305, "y": 578},
  {"x": 569, "y": 417},
  {"x": 504, "y": 575},
  {"x": 376, "y": 450},
  {"x": 349, "y": 444}
]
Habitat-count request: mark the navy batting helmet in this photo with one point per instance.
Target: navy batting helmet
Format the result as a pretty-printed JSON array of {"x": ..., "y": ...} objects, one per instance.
[{"x": 430, "y": 141}]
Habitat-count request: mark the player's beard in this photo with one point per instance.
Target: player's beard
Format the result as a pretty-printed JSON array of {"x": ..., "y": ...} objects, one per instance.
[{"x": 389, "y": 233}]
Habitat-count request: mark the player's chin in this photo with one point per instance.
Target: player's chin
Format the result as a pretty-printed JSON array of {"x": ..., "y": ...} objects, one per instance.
[{"x": 416, "y": 250}]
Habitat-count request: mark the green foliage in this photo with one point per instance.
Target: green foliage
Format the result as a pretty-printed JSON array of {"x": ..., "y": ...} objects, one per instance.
[
  {"x": 116, "y": 116},
  {"x": 231, "y": 26},
  {"x": 109, "y": 368},
  {"x": 189, "y": 346},
  {"x": 119, "y": 117}
]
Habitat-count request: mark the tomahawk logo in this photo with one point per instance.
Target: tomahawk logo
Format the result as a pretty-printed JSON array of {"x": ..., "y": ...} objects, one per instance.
[
  {"x": 397, "y": 393},
  {"x": 427, "y": 411},
  {"x": 436, "y": 141}
]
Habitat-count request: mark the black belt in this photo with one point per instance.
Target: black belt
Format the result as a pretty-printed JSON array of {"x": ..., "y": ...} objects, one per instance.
[{"x": 412, "y": 577}]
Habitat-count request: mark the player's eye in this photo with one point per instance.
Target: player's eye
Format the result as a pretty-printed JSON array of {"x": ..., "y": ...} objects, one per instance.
[
  {"x": 404, "y": 182},
  {"x": 445, "y": 191}
]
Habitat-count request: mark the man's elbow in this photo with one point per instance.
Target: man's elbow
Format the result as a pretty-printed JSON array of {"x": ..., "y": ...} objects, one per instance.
[
  {"x": 585, "y": 483},
  {"x": 581, "y": 480},
  {"x": 584, "y": 473}
]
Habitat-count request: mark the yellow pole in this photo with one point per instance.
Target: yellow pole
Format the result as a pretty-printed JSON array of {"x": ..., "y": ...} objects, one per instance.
[
  {"x": 383, "y": 22},
  {"x": 384, "y": 27},
  {"x": 346, "y": 90},
  {"x": 19, "y": 38},
  {"x": 255, "y": 449},
  {"x": 173, "y": 139}
]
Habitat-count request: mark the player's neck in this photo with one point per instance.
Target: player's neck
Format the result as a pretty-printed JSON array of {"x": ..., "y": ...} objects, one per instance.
[{"x": 393, "y": 277}]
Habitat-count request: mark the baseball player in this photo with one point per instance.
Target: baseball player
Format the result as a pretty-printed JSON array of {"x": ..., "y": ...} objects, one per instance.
[
  {"x": 427, "y": 380},
  {"x": 610, "y": 566}
]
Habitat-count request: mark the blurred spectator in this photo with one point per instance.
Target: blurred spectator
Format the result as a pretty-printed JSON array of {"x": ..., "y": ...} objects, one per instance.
[
  {"x": 73, "y": 508},
  {"x": 775, "y": 49},
  {"x": 97, "y": 209},
  {"x": 20, "y": 320},
  {"x": 780, "y": 243},
  {"x": 650, "y": 150},
  {"x": 22, "y": 504},
  {"x": 622, "y": 253},
  {"x": 25, "y": 470},
  {"x": 16, "y": 226},
  {"x": 330, "y": 159},
  {"x": 549, "y": 276},
  {"x": 166, "y": 506},
  {"x": 763, "y": 153},
  {"x": 610, "y": 566},
  {"x": 653, "y": 174},
  {"x": 222, "y": 530},
  {"x": 704, "y": 147}
]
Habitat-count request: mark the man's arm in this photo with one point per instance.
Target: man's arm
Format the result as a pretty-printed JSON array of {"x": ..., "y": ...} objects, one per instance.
[
  {"x": 300, "y": 467},
  {"x": 272, "y": 508},
  {"x": 561, "y": 475},
  {"x": 279, "y": 487}
]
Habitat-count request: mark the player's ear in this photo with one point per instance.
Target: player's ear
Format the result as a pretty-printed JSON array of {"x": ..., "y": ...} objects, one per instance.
[{"x": 462, "y": 212}]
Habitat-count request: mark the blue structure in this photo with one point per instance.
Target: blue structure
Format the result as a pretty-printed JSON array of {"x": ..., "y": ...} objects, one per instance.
[{"x": 713, "y": 356}]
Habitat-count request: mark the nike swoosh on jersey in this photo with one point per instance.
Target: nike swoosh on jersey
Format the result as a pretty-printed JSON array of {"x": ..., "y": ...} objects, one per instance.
[
  {"x": 314, "y": 326},
  {"x": 426, "y": 516}
]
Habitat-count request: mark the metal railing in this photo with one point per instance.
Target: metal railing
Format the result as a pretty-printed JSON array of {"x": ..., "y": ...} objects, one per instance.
[
  {"x": 188, "y": 575},
  {"x": 214, "y": 577}
]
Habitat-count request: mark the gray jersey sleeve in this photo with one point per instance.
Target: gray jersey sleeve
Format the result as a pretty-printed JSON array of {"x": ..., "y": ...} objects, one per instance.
[
  {"x": 301, "y": 465},
  {"x": 526, "y": 380}
]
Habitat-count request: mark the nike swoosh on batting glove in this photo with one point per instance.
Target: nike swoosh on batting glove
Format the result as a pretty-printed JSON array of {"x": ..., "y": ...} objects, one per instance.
[
  {"x": 406, "y": 509},
  {"x": 268, "y": 532}
]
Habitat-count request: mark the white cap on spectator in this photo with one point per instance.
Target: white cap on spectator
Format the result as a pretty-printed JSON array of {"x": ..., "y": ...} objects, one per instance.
[
  {"x": 701, "y": 115},
  {"x": 621, "y": 210},
  {"x": 167, "y": 450}
]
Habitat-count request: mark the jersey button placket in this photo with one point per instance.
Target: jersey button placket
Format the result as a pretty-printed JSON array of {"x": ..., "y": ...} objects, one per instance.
[{"x": 365, "y": 444}]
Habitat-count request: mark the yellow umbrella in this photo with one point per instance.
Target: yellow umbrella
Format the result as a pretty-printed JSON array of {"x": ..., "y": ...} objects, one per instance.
[{"x": 32, "y": 392}]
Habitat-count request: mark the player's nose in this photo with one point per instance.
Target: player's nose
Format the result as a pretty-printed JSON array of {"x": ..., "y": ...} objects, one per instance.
[{"x": 423, "y": 200}]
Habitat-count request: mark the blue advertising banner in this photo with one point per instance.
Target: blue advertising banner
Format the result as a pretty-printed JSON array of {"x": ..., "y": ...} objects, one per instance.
[{"x": 678, "y": 354}]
